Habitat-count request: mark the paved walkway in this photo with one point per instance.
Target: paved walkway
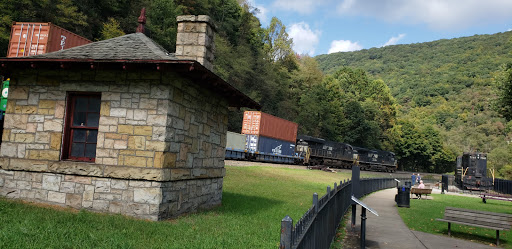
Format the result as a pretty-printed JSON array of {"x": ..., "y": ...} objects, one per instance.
[{"x": 389, "y": 231}]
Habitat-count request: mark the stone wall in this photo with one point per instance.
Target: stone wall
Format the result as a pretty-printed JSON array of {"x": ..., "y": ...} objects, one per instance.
[
  {"x": 142, "y": 199},
  {"x": 154, "y": 126}
]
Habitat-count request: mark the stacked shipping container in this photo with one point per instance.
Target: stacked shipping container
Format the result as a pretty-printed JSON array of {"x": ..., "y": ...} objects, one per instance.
[
  {"x": 262, "y": 124},
  {"x": 28, "y": 38},
  {"x": 269, "y": 135}
]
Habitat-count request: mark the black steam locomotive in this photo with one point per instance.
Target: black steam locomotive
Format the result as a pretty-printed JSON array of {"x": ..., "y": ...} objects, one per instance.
[{"x": 471, "y": 171}]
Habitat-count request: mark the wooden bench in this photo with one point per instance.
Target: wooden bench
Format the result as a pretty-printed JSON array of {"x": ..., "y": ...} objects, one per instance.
[
  {"x": 421, "y": 191},
  {"x": 490, "y": 220}
]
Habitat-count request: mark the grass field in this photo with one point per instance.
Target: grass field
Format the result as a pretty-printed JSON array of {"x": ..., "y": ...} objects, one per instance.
[
  {"x": 255, "y": 199},
  {"x": 423, "y": 213}
]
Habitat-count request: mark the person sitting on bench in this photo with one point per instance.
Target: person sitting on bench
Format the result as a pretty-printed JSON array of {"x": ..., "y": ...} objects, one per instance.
[{"x": 420, "y": 186}]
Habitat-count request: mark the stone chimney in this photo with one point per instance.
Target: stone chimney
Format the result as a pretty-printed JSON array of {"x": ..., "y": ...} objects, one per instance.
[{"x": 195, "y": 39}]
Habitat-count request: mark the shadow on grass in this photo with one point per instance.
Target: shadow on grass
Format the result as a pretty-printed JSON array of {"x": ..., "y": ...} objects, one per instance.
[
  {"x": 489, "y": 239},
  {"x": 246, "y": 204}
]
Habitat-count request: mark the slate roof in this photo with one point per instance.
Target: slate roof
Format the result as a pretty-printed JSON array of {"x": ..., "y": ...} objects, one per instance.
[{"x": 136, "y": 46}]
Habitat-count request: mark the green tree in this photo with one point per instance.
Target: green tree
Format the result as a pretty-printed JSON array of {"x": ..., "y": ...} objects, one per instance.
[
  {"x": 500, "y": 159},
  {"x": 503, "y": 89},
  {"x": 111, "y": 29},
  {"x": 367, "y": 103},
  {"x": 421, "y": 148},
  {"x": 506, "y": 171},
  {"x": 320, "y": 113},
  {"x": 161, "y": 23},
  {"x": 278, "y": 45}
]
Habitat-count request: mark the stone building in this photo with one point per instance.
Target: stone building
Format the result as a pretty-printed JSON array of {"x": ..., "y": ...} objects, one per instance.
[{"x": 119, "y": 125}]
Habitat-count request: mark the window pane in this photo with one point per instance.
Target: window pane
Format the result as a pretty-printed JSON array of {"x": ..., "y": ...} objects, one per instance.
[
  {"x": 81, "y": 104},
  {"x": 94, "y": 104},
  {"x": 79, "y": 118},
  {"x": 93, "y": 119},
  {"x": 92, "y": 136},
  {"x": 90, "y": 150},
  {"x": 77, "y": 149},
  {"x": 79, "y": 135}
]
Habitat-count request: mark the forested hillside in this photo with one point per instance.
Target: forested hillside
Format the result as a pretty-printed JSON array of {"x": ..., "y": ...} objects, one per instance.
[{"x": 446, "y": 85}]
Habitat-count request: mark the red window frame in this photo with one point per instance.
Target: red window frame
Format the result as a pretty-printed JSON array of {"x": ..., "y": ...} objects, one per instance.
[{"x": 70, "y": 129}]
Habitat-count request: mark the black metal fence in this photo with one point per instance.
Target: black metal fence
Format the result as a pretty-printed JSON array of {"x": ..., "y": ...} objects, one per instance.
[
  {"x": 497, "y": 185},
  {"x": 502, "y": 186},
  {"x": 317, "y": 227}
]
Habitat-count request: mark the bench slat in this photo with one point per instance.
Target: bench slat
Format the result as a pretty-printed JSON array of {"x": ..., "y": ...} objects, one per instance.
[
  {"x": 472, "y": 224},
  {"x": 490, "y": 218},
  {"x": 482, "y": 223},
  {"x": 476, "y": 218},
  {"x": 479, "y": 212}
]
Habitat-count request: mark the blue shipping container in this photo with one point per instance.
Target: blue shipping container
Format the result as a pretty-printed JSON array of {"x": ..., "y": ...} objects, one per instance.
[{"x": 270, "y": 146}]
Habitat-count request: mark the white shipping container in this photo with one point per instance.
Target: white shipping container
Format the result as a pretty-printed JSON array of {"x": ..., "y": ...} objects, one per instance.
[{"x": 235, "y": 141}]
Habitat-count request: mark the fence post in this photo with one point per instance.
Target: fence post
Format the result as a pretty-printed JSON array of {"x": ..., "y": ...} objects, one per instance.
[
  {"x": 286, "y": 233},
  {"x": 315, "y": 202},
  {"x": 335, "y": 187},
  {"x": 329, "y": 191},
  {"x": 356, "y": 191}
]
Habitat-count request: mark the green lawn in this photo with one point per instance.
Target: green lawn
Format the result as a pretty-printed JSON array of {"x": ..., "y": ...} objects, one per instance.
[
  {"x": 423, "y": 213},
  {"x": 255, "y": 199}
]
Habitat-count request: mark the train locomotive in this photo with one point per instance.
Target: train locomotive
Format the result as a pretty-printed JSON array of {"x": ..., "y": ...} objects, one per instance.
[
  {"x": 342, "y": 155},
  {"x": 471, "y": 171},
  {"x": 267, "y": 138}
]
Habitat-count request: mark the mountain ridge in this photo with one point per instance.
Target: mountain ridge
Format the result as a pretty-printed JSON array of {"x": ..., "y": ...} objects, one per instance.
[{"x": 446, "y": 83}]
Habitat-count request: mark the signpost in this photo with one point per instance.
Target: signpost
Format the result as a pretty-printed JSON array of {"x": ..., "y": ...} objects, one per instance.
[{"x": 364, "y": 207}]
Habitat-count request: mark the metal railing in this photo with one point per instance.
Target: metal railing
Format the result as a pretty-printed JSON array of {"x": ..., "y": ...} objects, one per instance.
[
  {"x": 502, "y": 186},
  {"x": 317, "y": 227}
]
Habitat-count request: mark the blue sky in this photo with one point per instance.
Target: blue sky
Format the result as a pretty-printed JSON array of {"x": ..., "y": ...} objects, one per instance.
[{"x": 327, "y": 26}]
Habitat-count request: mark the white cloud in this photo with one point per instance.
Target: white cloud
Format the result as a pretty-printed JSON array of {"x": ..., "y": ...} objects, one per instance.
[
  {"x": 394, "y": 40},
  {"x": 305, "y": 40},
  {"x": 344, "y": 46},
  {"x": 301, "y": 6},
  {"x": 437, "y": 14},
  {"x": 262, "y": 14}
]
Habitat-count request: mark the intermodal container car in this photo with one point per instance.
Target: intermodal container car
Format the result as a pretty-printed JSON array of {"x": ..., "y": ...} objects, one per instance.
[
  {"x": 266, "y": 125},
  {"x": 270, "y": 146},
  {"x": 29, "y": 38}
]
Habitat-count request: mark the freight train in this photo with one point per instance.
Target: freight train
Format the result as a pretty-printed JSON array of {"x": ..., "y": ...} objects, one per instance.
[
  {"x": 270, "y": 139},
  {"x": 471, "y": 171}
]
